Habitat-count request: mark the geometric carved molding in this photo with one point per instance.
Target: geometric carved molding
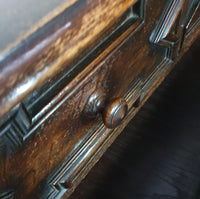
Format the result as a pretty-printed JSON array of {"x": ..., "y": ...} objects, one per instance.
[
  {"x": 193, "y": 21},
  {"x": 166, "y": 21},
  {"x": 177, "y": 20},
  {"x": 14, "y": 131},
  {"x": 154, "y": 76},
  {"x": 168, "y": 31}
]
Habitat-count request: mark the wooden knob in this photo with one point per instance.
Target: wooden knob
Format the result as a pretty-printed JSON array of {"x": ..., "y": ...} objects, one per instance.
[
  {"x": 96, "y": 103},
  {"x": 112, "y": 113}
]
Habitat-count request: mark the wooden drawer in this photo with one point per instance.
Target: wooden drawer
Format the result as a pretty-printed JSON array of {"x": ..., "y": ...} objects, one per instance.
[
  {"x": 45, "y": 131},
  {"x": 49, "y": 127}
]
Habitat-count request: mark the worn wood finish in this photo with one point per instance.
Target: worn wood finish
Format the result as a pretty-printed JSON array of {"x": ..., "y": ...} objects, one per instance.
[
  {"x": 114, "y": 46},
  {"x": 25, "y": 17},
  {"x": 114, "y": 113},
  {"x": 41, "y": 55}
]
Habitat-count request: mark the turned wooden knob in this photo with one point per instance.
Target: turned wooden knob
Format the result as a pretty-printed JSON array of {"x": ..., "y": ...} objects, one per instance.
[{"x": 113, "y": 112}]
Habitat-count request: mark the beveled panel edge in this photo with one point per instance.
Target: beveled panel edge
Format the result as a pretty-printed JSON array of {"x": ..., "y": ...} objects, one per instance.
[
  {"x": 192, "y": 26},
  {"x": 194, "y": 19},
  {"x": 176, "y": 15},
  {"x": 166, "y": 21},
  {"x": 171, "y": 29}
]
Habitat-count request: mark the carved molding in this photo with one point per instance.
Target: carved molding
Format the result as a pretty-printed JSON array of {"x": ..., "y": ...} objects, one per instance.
[
  {"x": 166, "y": 21},
  {"x": 192, "y": 23},
  {"x": 168, "y": 31},
  {"x": 155, "y": 74},
  {"x": 177, "y": 20},
  {"x": 15, "y": 130}
]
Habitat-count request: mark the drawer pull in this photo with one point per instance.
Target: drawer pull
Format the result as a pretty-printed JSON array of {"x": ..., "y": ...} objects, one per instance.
[{"x": 113, "y": 112}]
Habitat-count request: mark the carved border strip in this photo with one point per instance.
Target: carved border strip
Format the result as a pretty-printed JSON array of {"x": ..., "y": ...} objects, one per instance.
[
  {"x": 163, "y": 34},
  {"x": 180, "y": 17},
  {"x": 154, "y": 76},
  {"x": 166, "y": 21},
  {"x": 16, "y": 128}
]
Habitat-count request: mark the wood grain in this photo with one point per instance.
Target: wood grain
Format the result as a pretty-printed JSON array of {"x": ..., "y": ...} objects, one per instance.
[
  {"x": 25, "y": 17},
  {"x": 44, "y": 53},
  {"x": 89, "y": 46}
]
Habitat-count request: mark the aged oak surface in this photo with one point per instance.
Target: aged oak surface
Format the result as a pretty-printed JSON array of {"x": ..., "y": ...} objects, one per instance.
[{"x": 48, "y": 143}]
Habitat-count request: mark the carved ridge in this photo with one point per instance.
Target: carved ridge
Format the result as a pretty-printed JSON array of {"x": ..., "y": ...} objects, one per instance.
[
  {"x": 163, "y": 34},
  {"x": 16, "y": 128},
  {"x": 193, "y": 24},
  {"x": 166, "y": 21},
  {"x": 176, "y": 15}
]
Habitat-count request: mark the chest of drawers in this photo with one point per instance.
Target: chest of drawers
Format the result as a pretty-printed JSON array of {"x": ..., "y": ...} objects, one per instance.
[{"x": 73, "y": 81}]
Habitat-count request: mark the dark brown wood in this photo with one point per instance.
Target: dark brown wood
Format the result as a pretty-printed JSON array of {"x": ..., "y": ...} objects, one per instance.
[
  {"x": 95, "y": 103},
  {"x": 48, "y": 144},
  {"x": 114, "y": 112},
  {"x": 157, "y": 154}
]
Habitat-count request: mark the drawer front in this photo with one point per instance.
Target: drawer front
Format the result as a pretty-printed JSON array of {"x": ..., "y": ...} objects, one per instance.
[
  {"x": 52, "y": 132},
  {"x": 44, "y": 134}
]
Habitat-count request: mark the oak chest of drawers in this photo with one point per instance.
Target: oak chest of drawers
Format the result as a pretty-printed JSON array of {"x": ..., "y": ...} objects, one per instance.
[{"x": 73, "y": 77}]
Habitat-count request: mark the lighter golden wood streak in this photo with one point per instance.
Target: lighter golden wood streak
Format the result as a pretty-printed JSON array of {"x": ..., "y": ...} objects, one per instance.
[{"x": 44, "y": 20}]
